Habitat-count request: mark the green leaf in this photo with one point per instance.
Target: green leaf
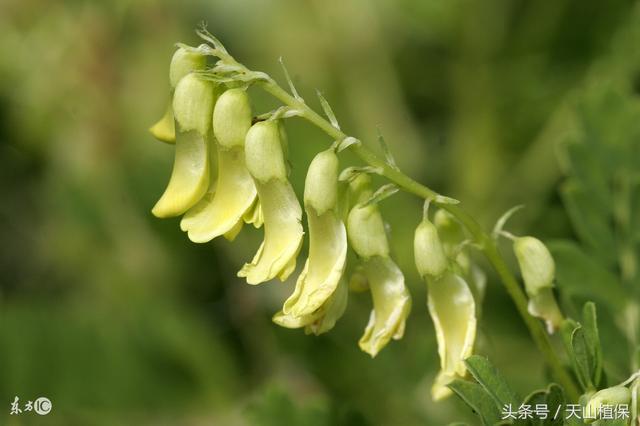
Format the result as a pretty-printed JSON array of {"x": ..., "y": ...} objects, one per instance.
[
  {"x": 582, "y": 355},
  {"x": 592, "y": 337},
  {"x": 552, "y": 398},
  {"x": 491, "y": 380},
  {"x": 478, "y": 399}
]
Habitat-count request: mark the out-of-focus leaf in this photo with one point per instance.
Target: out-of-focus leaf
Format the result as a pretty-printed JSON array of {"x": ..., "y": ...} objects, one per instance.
[
  {"x": 476, "y": 397},
  {"x": 589, "y": 220},
  {"x": 579, "y": 274}
]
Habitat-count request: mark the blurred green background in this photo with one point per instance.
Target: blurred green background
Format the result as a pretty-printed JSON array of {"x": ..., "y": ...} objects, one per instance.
[{"x": 118, "y": 319}]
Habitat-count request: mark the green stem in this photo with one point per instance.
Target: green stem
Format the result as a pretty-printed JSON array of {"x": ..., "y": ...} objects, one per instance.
[{"x": 483, "y": 239}]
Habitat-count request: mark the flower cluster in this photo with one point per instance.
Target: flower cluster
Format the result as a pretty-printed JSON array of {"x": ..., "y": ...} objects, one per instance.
[{"x": 231, "y": 169}]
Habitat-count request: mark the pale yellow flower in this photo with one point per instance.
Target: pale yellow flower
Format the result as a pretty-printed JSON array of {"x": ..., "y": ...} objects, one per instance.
[
  {"x": 192, "y": 105},
  {"x": 452, "y": 309},
  {"x": 280, "y": 208},
  {"x": 327, "y": 238},
  {"x": 235, "y": 193}
]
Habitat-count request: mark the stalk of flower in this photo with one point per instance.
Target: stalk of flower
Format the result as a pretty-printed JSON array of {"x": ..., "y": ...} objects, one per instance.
[
  {"x": 451, "y": 306},
  {"x": 193, "y": 103},
  {"x": 280, "y": 208},
  {"x": 235, "y": 192},
  {"x": 391, "y": 298},
  {"x": 327, "y": 238},
  {"x": 538, "y": 272},
  {"x": 182, "y": 63}
]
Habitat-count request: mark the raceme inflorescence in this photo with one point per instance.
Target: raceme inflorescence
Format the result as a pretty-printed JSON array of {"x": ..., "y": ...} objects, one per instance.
[{"x": 231, "y": 168}]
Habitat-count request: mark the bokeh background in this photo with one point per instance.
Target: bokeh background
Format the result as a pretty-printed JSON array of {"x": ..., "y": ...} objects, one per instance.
[{"x": 118, "y": 319}]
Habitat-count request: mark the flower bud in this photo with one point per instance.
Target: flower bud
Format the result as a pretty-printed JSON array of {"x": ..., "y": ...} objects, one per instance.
[
  {"x": 536, "y": 264},
  {"x": 321, "y": 184},
  {"x": 452, "y": 309},
  {"x": 182, "y": 63},
  {"x": 232, "y": 118},
  {"x": 428, "y": 251},
  {"x": 391, "y": 304},
  {"x": 366, "y": 231},
  {"x": 360, "y": 189},
  {"x": 614, "y": 396},
  {"x": 193, "y": 103},
  {"x": 263, "y": 151},
  {"x": 327, "y": 238}
]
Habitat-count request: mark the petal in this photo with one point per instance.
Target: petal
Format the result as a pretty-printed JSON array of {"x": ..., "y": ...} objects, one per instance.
[
  {"x": 254, "y": 215},
  {"x": 391, "y": 304},
  {"x": 333, "y": 308},
  {"x": 327, "y": 256},
  {"x": 544, "y": 306},
  {"x": 165, "y": 130},
  {"x": 235, "y": 194},
  {"x": 452, "y": 310},
  {"x": 190, "y": 176},
  {"x": 282, "y": 233}
]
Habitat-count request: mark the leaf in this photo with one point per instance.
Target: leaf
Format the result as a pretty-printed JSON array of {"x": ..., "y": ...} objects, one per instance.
[
  {"x": 478, "y": 399},
  {"x": 592, "y": 337},
  {"x": 491, "y": 380},
  {"x": 580, "y": 274}
]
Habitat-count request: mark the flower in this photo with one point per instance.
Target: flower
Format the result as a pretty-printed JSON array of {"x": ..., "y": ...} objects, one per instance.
[
  {"x": 538, "y": 272},
  {"x": 280, "y": 208},
  {"x": 182, "y": 63},
  {"x": 391, "y": 299},
  {"x": 452, "y": 309},
  {"x": 193, "y": 103},
  {"x": 235, "y": 192},
  {"x": 327, "y": 238}
]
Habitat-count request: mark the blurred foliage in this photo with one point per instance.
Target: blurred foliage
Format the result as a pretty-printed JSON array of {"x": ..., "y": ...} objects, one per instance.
[{"x": 119, "y": 319}]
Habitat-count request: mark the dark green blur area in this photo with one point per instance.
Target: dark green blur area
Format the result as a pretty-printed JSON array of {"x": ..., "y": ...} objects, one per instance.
[{"x": 118, "y": 319}]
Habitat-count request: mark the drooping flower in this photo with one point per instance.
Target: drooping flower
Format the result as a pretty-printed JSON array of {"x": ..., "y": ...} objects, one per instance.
[
  {"x": 235, "y": 192},
  {"x": 391, "y": 299},
  {"x": 327, "y": 238},
  {"x": 452, "y": 309},
  {"x": 538, "y": 273},
  {"x": 280, "y": 208},
  {"x": 193, "y": 103},
  {"x": 182, "y": 63}
]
